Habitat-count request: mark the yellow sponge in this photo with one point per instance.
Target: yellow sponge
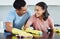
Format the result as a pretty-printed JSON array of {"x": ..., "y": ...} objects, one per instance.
[
  {"x": 34, "y": 32},
  {"x": 57, "y": 30},
  {"x": 21, "y": 33}
]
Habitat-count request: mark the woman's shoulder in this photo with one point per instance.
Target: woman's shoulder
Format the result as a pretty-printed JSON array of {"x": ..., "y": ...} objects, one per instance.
[
  {"x": 50, "y": 18},
  {"x": 33, "y": 16}
]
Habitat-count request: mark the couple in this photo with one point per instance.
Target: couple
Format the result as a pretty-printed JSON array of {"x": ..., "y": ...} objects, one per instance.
[{"x": 20, "y": 16}]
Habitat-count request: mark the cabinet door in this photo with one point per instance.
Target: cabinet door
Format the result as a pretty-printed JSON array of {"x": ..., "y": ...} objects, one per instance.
[
  {"x": 6, "y": 2},
  {"x": 49, "y": 2}
]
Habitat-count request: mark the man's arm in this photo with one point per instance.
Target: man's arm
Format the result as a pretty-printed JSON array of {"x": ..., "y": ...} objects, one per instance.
[
  {"x": 8, "y": 26},
  {"x": 9, "y": 21}
]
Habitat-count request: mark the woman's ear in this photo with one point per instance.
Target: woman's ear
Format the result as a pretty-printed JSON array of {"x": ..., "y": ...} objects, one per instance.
[{"x": 43, "y": 10}]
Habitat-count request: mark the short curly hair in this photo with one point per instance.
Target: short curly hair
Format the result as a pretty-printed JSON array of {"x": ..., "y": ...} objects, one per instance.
[{"x": 18, "y": 4}]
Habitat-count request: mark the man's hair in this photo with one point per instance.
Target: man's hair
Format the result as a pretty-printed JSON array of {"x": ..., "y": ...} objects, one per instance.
[
  {"x": 18, "y": 4},
  {"x": 44, "y": 7}
]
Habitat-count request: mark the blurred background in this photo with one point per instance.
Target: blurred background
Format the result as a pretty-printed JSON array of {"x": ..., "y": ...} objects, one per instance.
[{"x": 53, "y": 8}]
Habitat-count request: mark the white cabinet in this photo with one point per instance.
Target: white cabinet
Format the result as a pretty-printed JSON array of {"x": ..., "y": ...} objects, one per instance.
[
  {"x": 1, "y": 27},
  {"x": 49, "y": 2},
  {"x": 31, "y": 2},
  {"x": 6, "y": 2}
]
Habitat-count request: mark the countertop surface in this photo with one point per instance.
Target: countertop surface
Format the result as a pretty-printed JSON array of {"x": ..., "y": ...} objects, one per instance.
[{"x": 50, "y": 35}]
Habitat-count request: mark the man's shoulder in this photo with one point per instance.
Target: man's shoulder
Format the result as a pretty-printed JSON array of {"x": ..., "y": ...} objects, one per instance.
[
  {"x": 29, "y": 12},
  {"x": 12, "y": 12}
]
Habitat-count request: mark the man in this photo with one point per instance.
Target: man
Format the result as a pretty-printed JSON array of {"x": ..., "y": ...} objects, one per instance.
[{"x": 16, "y": 18}]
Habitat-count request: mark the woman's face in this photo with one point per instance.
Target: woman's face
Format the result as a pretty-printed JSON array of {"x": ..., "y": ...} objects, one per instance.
[{"x": 39, "y": 11}]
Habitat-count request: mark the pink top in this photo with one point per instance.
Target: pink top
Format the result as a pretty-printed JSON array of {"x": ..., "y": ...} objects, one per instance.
[{"x": 41, "y": 25}]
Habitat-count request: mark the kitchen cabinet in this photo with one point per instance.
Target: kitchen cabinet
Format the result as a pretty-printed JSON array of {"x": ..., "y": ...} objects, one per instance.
[{"x": 31, "y": 2}]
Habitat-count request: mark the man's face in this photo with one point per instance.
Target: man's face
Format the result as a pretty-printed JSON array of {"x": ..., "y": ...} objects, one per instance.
[{"x": 22, "y": 11}]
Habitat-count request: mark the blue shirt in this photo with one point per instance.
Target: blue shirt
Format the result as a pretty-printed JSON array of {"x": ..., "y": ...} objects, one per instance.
[{"x": 17, "y": 21}]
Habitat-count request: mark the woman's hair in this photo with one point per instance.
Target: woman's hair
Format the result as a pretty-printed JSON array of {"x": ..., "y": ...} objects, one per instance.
[{"x": 44, "y": 7}]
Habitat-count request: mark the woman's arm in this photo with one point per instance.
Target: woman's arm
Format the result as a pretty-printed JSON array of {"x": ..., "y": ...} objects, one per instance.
[
  {"x": 51, "y": 23},
  {"x": 29, "y": 22}
]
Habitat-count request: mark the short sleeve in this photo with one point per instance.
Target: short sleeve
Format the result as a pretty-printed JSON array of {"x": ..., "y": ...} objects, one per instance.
[
  {"x": 30, "y": 12},
  {"x": 10, "y": 17}
]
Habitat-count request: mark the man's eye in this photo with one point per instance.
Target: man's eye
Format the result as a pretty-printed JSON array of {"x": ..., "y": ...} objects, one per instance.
[{"x": 37, "y": 10}]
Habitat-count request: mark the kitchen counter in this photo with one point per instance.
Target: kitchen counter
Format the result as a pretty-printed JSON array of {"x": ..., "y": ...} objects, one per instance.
[{"x": 44, "y": 36}]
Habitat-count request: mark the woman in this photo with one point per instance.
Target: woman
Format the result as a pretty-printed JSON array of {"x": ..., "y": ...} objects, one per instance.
[{"x": 41, "y": 20}]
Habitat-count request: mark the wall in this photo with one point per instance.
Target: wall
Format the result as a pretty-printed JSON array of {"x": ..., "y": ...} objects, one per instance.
[
  {"x": 31, "y": 2},
  {"x": 53, "y": 10},
  {"x": 48, "y": 2}
]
